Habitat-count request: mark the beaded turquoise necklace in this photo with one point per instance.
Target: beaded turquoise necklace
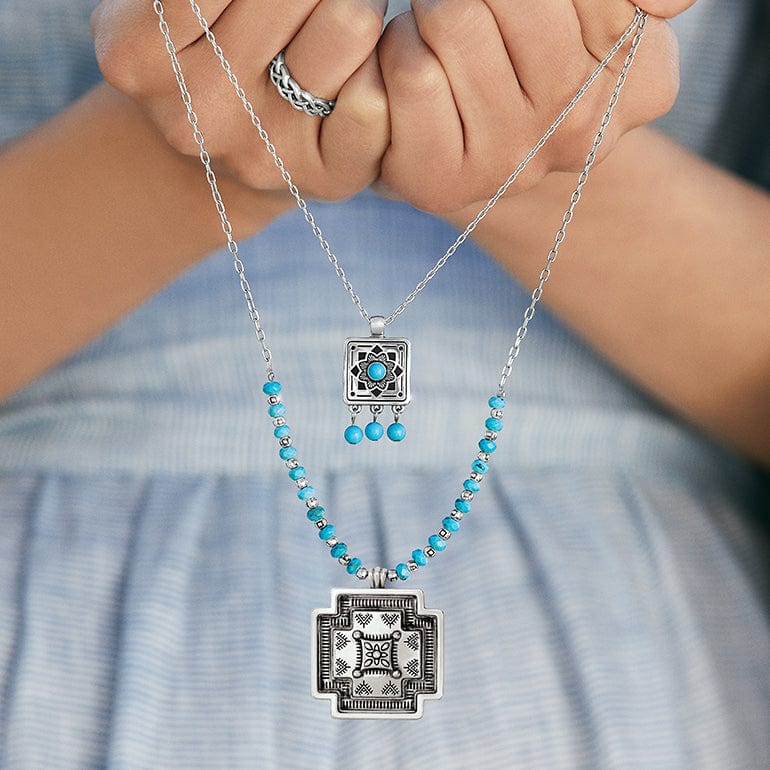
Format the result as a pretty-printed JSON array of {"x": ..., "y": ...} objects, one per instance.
[{"x": 378, "y": 652}]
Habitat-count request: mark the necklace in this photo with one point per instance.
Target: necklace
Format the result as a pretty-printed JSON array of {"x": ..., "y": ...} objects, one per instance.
[{"x": 377, "y": 652}]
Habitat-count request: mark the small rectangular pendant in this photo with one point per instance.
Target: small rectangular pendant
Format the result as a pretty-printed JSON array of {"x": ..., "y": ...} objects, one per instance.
[
  {"x": 377, "y": 653},
  {"x": 377, "y": 371}
]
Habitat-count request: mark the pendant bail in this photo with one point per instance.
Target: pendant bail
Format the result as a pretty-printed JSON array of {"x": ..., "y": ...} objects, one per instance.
[
  {"x": 377, "y": 326},
  {"x": 378, "y": 577}
]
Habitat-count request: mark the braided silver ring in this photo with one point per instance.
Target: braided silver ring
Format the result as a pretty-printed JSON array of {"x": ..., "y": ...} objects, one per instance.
[{"x": 294, "y": 94}]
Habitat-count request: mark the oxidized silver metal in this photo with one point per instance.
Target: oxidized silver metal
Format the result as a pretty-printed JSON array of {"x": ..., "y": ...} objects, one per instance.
[
  {"x": 393, "y": 353},
  {"x": 293, "y": 92},
  {"x": 377, "y": 653}
]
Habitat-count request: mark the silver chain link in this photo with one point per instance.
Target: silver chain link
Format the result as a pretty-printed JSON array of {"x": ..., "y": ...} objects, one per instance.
[
  {"x": 545, "y": 273},
  {"x": 302, "y": 204}
]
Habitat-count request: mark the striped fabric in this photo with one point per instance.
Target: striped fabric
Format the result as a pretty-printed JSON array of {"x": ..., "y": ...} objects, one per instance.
[{"x": 606, "y": 602}]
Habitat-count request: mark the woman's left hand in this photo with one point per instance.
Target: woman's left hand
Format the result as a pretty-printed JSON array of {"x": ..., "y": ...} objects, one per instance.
[{"x": 473, "y": 84}]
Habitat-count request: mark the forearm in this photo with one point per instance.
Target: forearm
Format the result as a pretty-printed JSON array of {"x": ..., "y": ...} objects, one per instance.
[
  {"x": 97, "y": 213},
  {"x": 666, "y": 272}
]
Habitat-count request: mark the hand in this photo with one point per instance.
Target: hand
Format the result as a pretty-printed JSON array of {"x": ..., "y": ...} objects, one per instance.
[
  {"x": 330, "y": 49},
  {"x": 473, "y": 84}
]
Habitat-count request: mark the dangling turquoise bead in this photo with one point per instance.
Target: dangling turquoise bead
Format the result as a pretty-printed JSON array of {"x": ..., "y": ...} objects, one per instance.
[
  {"x": 396, "y": 431},
  {"x": 353, "y": 434},
  {"x": 374, "y": 431}
]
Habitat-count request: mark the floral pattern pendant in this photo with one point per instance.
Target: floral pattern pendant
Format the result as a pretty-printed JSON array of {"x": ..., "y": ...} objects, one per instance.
[{"x": 376, "y": 375}]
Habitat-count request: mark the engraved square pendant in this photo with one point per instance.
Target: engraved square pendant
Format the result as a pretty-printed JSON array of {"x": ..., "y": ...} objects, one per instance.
[
  {"x": 377, "y": 371},
  {"x": 377, "y": 654}
]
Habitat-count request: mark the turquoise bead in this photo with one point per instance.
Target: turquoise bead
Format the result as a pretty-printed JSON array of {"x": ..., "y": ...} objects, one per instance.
[
  {"x": 271, "y": 388},
  {"x": 297, "y": 473},
  {"x": 471, "y": 485},
  {"x": 374, "y": 431},
  {"x": 277, "y": 410},
  {"x": 462, "y": 505},
  {"x": 402, "y": 571},
  {"x": 497, "y": 402},
  {"x": 479, "y": 466},
  {"x": 436, "y": 543},
  {"x": 396, "y": 431},
  {"x": 451, "y": 524},
  {"x": 306, "y": 493},
  {"x": 353, "y": 566},
  {"x": 316, "y": 514},
  {"x": 353, "y": 434},
  {"x": 339, "y": 550},
  {"x": 485, "y": 445},
  {"x": 327, "y": 532},
  {"x": 494, "y": 424},
  {"x": 376, "y": 371},
  {"x": 287, "y": 453},
  {"x": 282, "y": 431},
  {"x": 419, "y": 557}
]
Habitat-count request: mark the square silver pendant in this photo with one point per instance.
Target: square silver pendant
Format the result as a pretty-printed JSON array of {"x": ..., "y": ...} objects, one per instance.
[
  {"x": 377, "y": 654},
  {"x": 377, "y": 371}
]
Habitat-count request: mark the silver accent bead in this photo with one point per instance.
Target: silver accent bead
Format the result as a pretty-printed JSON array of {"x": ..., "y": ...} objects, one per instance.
[
  {"x": 430, "y": 552},
  {"x": 292, "y": 464},
  {"x": 285, "y": 441},
  {"x": 466, "y": 495},
  {"x": 344, "y": 560},
  {"x": 321, "y": 523},
  {"x": 302, "y": 483},
  {"x": 497, "y": 414},
  {"x": 477, "y": 477},
  {"x": 273, "y": 400},
  {"x": 412, "y": 565},
  {"x": 362, "y": 573},
  {"x": 444, "y": 534},
  {"x": 332, "y": 541},
  {"x": 312, "y": 502},
  {"x": 457, "y": 515},
  {"x": 490, "y": 435},
  {"x": 279, "y": 421},
  {"x": 483, "y": 456},
  {"x": 392, "y": 575}
]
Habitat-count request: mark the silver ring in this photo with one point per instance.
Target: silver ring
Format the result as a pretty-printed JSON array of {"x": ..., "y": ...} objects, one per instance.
[{"x": 294, "y": 94}]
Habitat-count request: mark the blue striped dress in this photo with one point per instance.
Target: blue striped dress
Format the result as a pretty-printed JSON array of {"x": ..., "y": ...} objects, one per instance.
[{"x": 606, "y": 603}]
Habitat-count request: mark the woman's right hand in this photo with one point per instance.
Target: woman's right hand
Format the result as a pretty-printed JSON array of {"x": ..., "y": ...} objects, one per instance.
[{"x": 330, "y": 49}]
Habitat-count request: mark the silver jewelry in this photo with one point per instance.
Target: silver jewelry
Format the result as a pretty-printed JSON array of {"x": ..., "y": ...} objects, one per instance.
[
  {"x": 293, "y": 92},
  {"x": 377, "y": 653}
]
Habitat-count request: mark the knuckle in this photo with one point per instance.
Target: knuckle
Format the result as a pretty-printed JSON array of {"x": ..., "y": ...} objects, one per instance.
[
  {"x": 444, "y": 22},
  {"x": 360, "y": 19}
]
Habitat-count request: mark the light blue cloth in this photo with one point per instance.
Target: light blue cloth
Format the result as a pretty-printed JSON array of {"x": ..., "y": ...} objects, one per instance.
[{"x": 606, "y": 602}]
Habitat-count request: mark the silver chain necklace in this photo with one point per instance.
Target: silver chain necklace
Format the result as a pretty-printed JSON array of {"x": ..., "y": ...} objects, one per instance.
[{"x": 377, "y": 653}]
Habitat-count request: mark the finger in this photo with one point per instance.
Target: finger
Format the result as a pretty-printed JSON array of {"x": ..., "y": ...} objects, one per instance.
[
  {"x": 357, "y": 133},
  {"x": 464, "y": 36},
  {"x": 127, "y": 40},
  {"x": 544, "y": 44},
  {"x": 338, "y": 37}
]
